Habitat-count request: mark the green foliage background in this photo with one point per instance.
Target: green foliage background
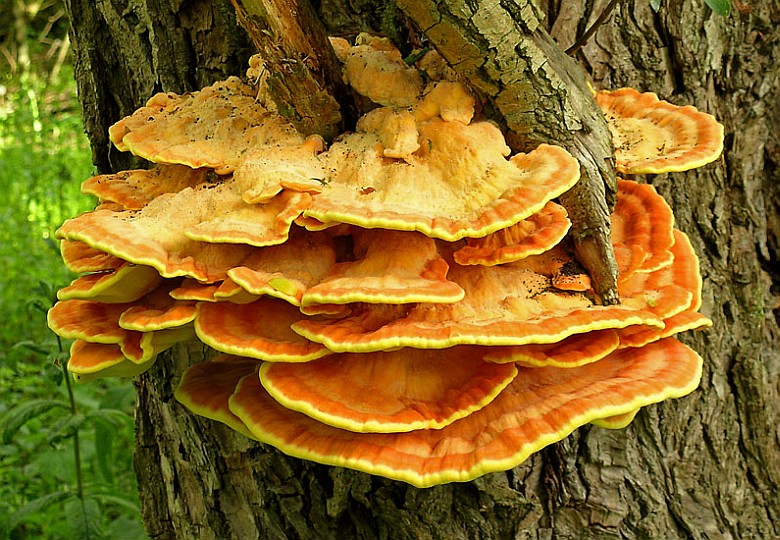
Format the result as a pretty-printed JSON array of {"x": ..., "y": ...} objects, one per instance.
[{"x": 65, "y": 449}]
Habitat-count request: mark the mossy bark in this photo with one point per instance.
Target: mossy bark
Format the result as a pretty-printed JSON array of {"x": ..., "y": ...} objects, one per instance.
[
  {"x": 705, "y": 466},
  {"x": 537, "y": 94}
]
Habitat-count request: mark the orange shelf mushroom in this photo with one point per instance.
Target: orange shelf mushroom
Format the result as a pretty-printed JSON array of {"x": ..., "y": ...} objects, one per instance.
[
  {"x": 183, "y": 233},
  {"x": 654, "y": 136},
  {"x": 211, "y": 128},
  {"x": 381, "y": 276},
  {"x": 126, "y": 283},
  {"x": 82, "y": 258},
  {"x": 541, "y": 406},
  {"x": 458, "y": 184},
  {"x": 91, "y": 361},
  {"x": 536, "y": 234},
  {"x": 573, "y": 351},
  {"x": 386, "y": 392},
  {"x": 375, "y": 69},
  {"x": 260, "y": 329},
  {"x": 205, "y": 390},
  {"x": 135, "y": 189},
  {"x": 404, "y": 302},
  {"x": 502, "y": 306}
]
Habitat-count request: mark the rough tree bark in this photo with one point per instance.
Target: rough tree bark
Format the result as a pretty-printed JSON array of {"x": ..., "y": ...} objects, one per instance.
[
  {"x": 705, "y": 466},
  {"x": 538, "y": 94}
]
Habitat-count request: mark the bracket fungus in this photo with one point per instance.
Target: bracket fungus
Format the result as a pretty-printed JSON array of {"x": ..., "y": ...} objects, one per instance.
[
  {"x": 402, "y": 302},
  {"x": 655, "y": 136}
]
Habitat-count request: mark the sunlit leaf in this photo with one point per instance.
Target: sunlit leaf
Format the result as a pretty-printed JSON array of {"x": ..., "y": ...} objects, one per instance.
[{"x": 655, "y": 4}]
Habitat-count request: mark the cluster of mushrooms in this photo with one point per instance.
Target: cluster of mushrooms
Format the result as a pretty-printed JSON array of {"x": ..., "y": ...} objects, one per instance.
[{"x": 405, "y": 301}]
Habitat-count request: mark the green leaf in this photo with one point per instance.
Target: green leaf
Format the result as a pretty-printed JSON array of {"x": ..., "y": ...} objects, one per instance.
[
  {"x": 65, "y": 428},
  {"x": 37, "y": 505},
  {"x": 15, "y": 418},
  {"x": 117, "y": 501},
  {"x": 32, "y": 346},
  {"x": 721, "y": 7},
  {"x": 126, "y": 528},
  {"x": 105, "y": 432},
  {"x": 84, "y": 519},
  {"x": 120, "y": 397},
  {"x": 113, "y": 416},
  {"x": 655, "y": 4}
]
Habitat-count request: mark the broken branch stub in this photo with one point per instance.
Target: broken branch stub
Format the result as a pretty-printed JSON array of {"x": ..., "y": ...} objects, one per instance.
[
  {"x": 540, "y": 95},
  {"x": 304, "y": 77}
]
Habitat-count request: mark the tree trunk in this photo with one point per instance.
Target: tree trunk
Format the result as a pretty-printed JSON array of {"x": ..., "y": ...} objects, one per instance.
[{"x": 705, "y": 466}]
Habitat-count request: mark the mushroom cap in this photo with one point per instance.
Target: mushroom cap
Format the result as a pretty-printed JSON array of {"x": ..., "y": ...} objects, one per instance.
[
  {"x": 395, "y": 128},
  {"x": 287, "y": 270},
  {"x": 340, "y": 46},
  {"x": 82, "y": 258},
  {"x": 94, "y": 322},
  {"x": 451, "y": 101},
  {"x": 266, "y": 171},
  {"x": 559, "y": 264},
  {"x": 139, "y": 347},
  {"x": 682, "y": 322},
  {"x": 260, "y": 329},
  {"x": 573, "y": 351},
  {"x": 91, "y": 361},
  {"x": 457, "y": 185},
  {"x": 643, "y": 218},
  {"x": 392, "y": 268},
  {"x": 126, "y": 283},
  {"x": 533, "y": 235},
  {"x": 331, "y": 311},
  {"x": 540, "y": 406},
  {"x": 205, "y": 388},
  {"x": 265, "y": 224},
  {"x": 212, "y": 128},
  {"x": 653, "y": 136},
  {"x": 671, "y": 289},
  {"x": 134, "y": 189},
  {"x": 502, "y": 306},
  {"x": 166, "y": 234},
  {"x": 387, "y": 392},
  {"x": 375, "y": 69},
  {"x": 221, "y": 291},
  {"x": 158, "y": 311}
]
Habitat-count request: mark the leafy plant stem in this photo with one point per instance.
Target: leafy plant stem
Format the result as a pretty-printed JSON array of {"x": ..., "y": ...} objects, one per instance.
[
  {"x": 76, "y": 444},
  {"x": 583, "y": 39}
]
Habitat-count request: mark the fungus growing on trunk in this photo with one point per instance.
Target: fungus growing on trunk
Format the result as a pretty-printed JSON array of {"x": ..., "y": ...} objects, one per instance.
[
  {"x": 212, "y": 128},
  {"x": 387, "y": 392},
  {"x": 403, "y": 302},
  {"x": 654, "y": 136},
  {"x": 540, "y": 406}
]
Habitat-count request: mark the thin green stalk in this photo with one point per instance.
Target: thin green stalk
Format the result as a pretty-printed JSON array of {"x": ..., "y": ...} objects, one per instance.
[{"x": 76, "y": 443}]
